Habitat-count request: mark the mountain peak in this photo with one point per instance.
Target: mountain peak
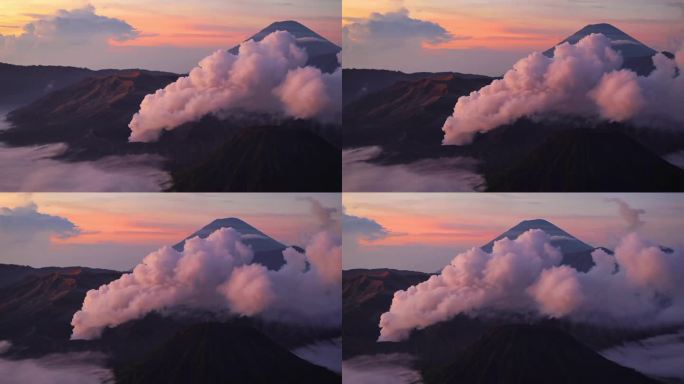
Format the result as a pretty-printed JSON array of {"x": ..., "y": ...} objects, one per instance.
[
  {"x": 228, "y": 221},
  {"x": 286, "y": 24},
  {"x": 628, "y": 46},
  {"x": 600, "y": 28},
  {"x": 536, "y": 222},
  {"x": 297, "y": 29},
  {"x": 322, "y": 53},
  {"x": 567, "y": 243},
  {"x": 267, "y": 251},
  {"x": 246, "y": 229}
]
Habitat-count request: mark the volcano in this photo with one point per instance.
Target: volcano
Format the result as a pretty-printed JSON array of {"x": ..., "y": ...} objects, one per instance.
[
  {"x": 532, "y": 354},
  {"x": 576, "y": 253},
  {"x": 322, "y": 53},
  {"x": 267, "y": 251},
  {"x": 222, "y": 353},
  {"x": 637, "y": 55}
]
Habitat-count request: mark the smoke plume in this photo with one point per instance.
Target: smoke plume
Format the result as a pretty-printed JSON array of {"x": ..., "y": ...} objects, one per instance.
[
  {"x": 582, "y": 80},
  {"x": 631, "y": 216},
  {"x": 216, "y": 274},
  {"x": 640, "y": 285},
  {"x": 268, "y": 76}
]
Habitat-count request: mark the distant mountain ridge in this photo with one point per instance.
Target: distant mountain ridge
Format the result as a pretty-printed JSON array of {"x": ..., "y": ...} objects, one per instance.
[{"x": 95, "y": 109}]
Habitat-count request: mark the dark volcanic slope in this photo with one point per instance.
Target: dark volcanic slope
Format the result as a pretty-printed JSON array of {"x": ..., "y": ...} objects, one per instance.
[
  {"x": 361, "y": 82},
  {"x": 219, "y": 353},
  {"x": 97, "y": 108},
  {"x": 366, "y": 295},
  {"x": 36, "y": 311},
  {"x": 408, "y": 112},
  {"x": 531, "y": 355},
  {"x": 280, "y": 159},
  {"x": 588, "y": 160}
]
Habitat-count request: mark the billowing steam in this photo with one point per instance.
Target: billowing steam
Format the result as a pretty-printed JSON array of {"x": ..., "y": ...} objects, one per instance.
[
  {"x": 268, "y": 76},
  {"x": 640, "y": 285},
  {"x": 582, "y": 79},
  {"x": 215, "y": 274}
]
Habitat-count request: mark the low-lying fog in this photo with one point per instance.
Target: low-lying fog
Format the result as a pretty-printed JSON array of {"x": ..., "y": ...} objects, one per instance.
[
  {"x": 431, "y": 175},
  {"x": 660, "y": 356},
  {"x": 67, "y": 368},
  {"x": 395, "y": 368},
  {"x": 327, "y": 354},
  {"x": 35, "y": 169}
]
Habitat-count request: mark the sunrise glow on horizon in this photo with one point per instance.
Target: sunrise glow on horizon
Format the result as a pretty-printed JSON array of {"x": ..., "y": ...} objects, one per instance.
[
  {"x": 143, "y": 222},
  {"x": 430, "y": 229},
  {"x": 487, "y": 37},
  {"x": 148, "y": 34}
]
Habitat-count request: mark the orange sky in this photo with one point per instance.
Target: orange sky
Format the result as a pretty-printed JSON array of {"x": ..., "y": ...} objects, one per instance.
[
  {"x": 532, "y": 25},
  {"x": 210, "y": 23},
  {"x": 426, "y": 230},
  {"x": 463, "y": 220},
  {"x": 161, "y": 219}
]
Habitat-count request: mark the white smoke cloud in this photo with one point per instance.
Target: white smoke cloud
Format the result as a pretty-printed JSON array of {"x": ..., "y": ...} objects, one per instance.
[
  {"x": 640, "y": 285},
  {"x": 215, "y": 274},
  {"x": 268, "y": 76},
  {"x": 631, "y": 216},
  {"x": 582, "y": 79}
]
